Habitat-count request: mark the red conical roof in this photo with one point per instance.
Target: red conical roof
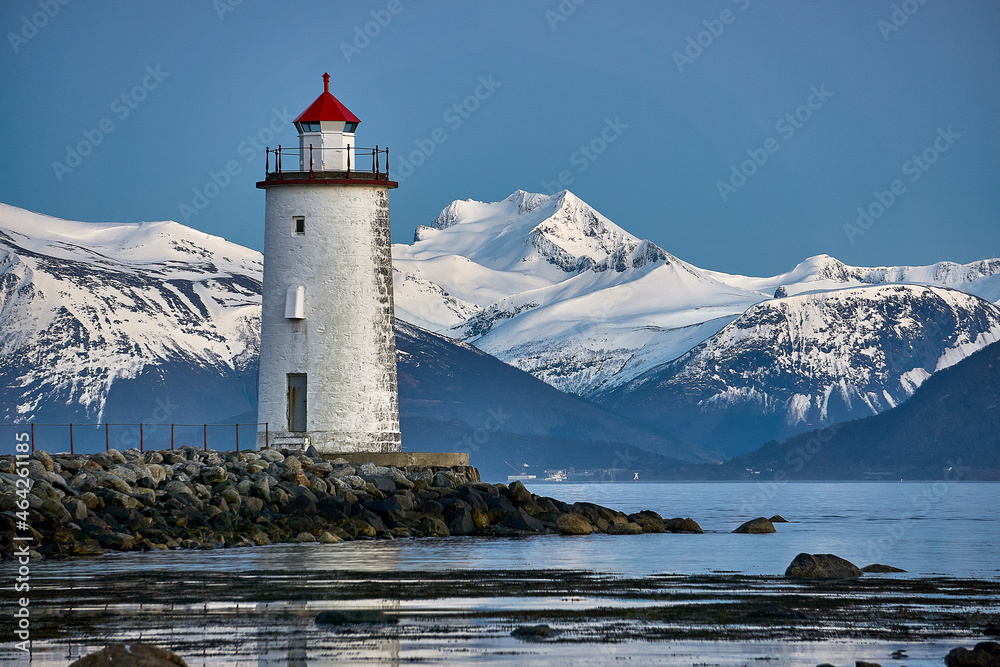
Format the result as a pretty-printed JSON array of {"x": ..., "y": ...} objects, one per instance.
[{"x": 326, "y": 107}]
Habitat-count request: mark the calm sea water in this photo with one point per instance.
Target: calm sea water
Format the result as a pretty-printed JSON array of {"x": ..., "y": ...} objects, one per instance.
[{"x": 925, "y": 528}]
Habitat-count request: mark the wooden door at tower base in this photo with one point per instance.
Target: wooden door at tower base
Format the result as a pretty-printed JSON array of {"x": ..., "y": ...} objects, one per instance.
[{"x": 296, "y": 401}]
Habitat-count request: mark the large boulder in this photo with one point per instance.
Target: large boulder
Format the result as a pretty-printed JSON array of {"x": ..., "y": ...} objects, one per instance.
[
  {"x": 519, "y": 493},
  {"x": 650, "y": 521},
  {"x": 984, "y": 654},
  {"x": 131, "y": 655},
  {"x": 821, "y": 566},
  {"x": 679, "y": 525},
  {"x": 521, "y": 520},
  {"x": 760, "y": 525},
  {"x": 572, "y": 523}
]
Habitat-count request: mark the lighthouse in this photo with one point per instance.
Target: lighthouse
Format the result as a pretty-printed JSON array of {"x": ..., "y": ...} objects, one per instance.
[{"x": 327, "y": 346}]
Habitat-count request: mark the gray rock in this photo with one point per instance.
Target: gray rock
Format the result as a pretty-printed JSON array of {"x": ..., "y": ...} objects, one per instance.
[
  {"x": 133, "y": 654},
  {"x": 340, "y": 471},
  {"x": 624, "y": 529},
  {"x": 461, "y": 523},
  {"x": 879, "y": 568},
  {"x": 272, "y": 455},
  {"x": 534, "y": 632},
  {"x": 519, "y": 493},
  {"x": 679, "y": 525},
  {"x": 983, "y": 654},
  {"x": 124, "y": 473},
  {"x": 211, "y": 475},
  {"x": 76, "y": 508},
  {"x": 443, "y": 479},
  {"x": 821, "y": 566},
  {"x": 574, "y": 524},
  {"x": 521, "y": 520},
  {"x": 760, "y": 525},
  {"x": 380, "y": 482},
  {"x": 777, "y": 518},
  {"x": 650, "y": 521},
  {"x": 44, "y": 458},
  {"x": 350, "y": 616}
]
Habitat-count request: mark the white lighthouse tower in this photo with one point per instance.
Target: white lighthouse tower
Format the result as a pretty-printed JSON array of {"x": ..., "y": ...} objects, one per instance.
[{"x": 328, "y": 348}]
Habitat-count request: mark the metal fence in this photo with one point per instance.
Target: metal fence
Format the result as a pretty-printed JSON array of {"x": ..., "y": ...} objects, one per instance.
[
  {"x": 368, "y": 163},
  {"x": 90, "y": 438}
]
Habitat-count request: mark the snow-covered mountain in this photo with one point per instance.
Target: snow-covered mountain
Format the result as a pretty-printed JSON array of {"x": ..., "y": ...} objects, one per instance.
[
  {"x": 797, "y": 363},
  {"x": 89, "y": 312},
  {"x": 105, "y": 321},
  {"x": 549, "y": 285},
  {"x": 158, "y": 323}
]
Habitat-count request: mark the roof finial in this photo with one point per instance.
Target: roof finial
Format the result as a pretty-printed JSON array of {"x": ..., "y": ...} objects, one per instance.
[{"x": 326, "y": 82}]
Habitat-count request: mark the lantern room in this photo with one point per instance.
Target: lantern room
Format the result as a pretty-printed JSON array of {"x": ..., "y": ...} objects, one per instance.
[{"x": 328, "y": 127}]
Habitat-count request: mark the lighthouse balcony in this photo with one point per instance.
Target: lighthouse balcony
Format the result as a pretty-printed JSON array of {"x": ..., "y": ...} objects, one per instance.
[{"x": 350, "y": 165}]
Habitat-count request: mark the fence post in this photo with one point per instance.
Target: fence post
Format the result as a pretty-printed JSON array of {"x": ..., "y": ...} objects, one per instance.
[
  {"x": 32, "y": 438},
  {"x": 387, "y": 162},
  {"x": 348, "y": 161},
  {"x": 311, "y": 174},
  {"x": 205, "y": 428},
  {"x": 141, "y": 443},
  {"x": 71, "y": 439},
  {"x": 107, "y": 437},
  {"x": 267, "y": 439},
  {"x": 267, "y": 161},
  {"x": 237, "y": 438}
]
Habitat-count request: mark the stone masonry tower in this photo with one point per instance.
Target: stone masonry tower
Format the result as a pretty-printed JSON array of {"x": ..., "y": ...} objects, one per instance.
[{"x": 328, "y": 346}]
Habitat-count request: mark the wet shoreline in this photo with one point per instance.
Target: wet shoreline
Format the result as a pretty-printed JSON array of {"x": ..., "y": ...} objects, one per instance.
[{"x": 236, "y": 616}]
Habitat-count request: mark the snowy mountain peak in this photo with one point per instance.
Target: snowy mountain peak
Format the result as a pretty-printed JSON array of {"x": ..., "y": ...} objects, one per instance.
[{"x": 527, "y": 232}]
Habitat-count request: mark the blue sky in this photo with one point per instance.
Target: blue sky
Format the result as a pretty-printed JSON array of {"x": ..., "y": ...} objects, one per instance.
[{"x": 740, "y": 135}]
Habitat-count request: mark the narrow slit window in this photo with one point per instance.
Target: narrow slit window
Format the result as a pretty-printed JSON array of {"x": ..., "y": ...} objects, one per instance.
[{"x": 299, "y": 225}]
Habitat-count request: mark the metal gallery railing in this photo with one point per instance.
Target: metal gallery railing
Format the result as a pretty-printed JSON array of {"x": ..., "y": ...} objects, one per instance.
[{"x": 316, "y": 160}]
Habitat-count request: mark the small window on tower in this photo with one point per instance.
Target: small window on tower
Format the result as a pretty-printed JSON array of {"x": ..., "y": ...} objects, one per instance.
[
  {"x": 307, "y": 127},
  {"x": 350, "y": 127},
  {"x": 298, "y": 225}
]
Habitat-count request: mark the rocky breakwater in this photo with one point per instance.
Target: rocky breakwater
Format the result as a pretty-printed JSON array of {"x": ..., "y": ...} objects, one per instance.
[{"x": 191, "y": 499}]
